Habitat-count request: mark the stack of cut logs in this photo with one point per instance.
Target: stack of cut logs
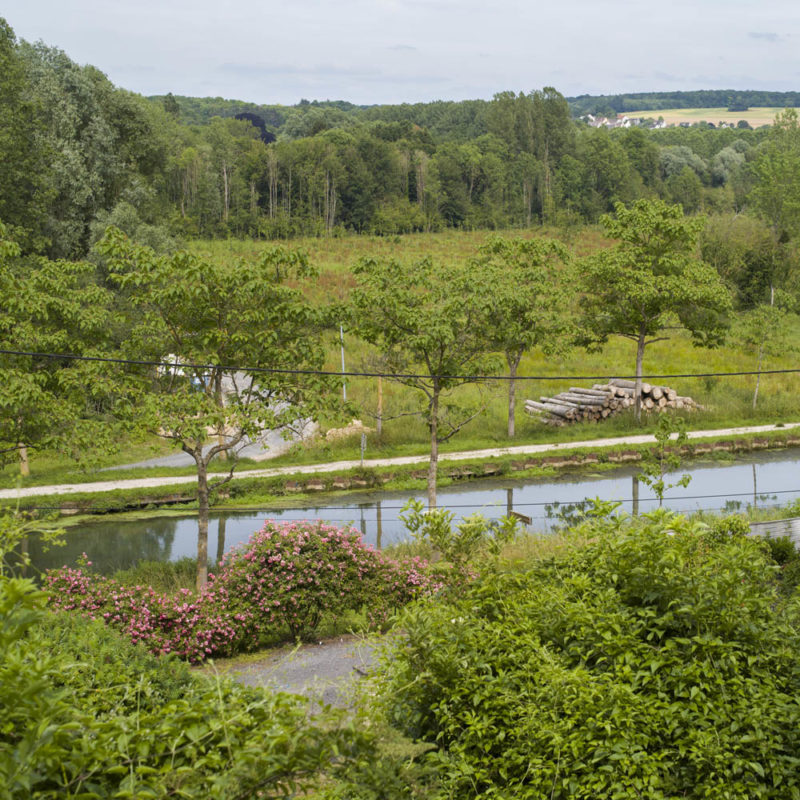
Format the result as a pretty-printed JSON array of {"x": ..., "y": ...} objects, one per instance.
[{"x": 603, "y": 400}]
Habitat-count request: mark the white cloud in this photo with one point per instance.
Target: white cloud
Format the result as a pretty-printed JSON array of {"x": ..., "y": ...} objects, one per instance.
[{"x": 370, "y": 51}]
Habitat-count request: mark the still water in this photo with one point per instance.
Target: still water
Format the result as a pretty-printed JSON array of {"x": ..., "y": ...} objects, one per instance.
[{"x": 762, "y": 479}]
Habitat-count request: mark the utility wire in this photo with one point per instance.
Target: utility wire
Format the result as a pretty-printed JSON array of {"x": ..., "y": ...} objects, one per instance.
[{"x": 389, "y": 375}]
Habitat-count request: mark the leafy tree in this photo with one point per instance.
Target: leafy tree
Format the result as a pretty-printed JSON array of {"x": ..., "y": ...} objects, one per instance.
[
  {"x": 25, "y": 192},
  {"x": 52, "y": 307},
  {"x": 651, "y": 283},
  {"x": 776, "y": 195},
  {"x": 212, "y": 315},
  {"x": 663, "y": 458},
  {"x": 527, "y": 293},
  {"x": 685, "y": 189},
  {"x": 430, "y": 323},
  {"x": 764, "y": 331}
]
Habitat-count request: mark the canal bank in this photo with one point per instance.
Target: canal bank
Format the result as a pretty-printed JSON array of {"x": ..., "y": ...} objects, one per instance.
[{"x": 287, "y": 485}]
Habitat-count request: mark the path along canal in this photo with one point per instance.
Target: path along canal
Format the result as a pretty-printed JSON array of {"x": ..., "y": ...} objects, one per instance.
[{"x": 766, "y": 478}]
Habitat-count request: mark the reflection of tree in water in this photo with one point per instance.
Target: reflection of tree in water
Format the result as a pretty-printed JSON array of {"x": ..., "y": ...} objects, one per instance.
[
  {"x": 566, "y": 514},
  {"x": 110, "y": 546}
]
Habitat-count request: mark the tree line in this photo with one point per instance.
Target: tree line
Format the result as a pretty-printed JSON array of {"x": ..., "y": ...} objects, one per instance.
[{"x": 78, "y": 154}]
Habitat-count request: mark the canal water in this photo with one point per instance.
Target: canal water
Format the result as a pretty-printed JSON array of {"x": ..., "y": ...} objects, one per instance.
[{"x": 761, "y": 479}]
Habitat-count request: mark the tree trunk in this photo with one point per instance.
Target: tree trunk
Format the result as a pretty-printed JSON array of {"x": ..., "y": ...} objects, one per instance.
[
  {"x": 226, "y": 192},
  {"x": 637, "y": 391},
  {"x": 202, "y": 523},
  {"x": 635, "y": 495},
  {"x": 434, "y": 462},
  {"x": 513, "y": 363},
  {"x": 24, "y": 464}
]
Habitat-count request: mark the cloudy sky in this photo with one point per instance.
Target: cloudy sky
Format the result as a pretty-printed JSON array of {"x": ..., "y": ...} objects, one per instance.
[{"x": 373, "y": 51}]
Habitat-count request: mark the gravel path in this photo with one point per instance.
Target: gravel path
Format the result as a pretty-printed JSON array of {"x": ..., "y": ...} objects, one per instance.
[
  {"x": 320, "y": 671},
  {"x": 335, "y": 466}
]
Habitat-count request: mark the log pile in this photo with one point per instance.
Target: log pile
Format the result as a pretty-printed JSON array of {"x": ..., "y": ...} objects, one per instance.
[{"x": 602, "y": 400}]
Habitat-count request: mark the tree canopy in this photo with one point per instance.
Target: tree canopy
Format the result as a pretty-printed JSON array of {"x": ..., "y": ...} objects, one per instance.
[{"x": 651, "y": 282}]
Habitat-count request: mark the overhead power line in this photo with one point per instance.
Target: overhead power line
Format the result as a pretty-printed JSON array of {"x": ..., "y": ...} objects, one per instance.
[{"x": 389, "y": 375}]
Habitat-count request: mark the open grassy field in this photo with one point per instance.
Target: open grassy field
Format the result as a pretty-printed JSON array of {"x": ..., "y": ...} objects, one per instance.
[
  {"x": 727, "y": 401},
  {"x": 674, "y": 116}
]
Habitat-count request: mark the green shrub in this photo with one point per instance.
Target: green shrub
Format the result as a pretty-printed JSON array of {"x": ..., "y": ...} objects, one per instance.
[
  {"x": 781, "y": 549},
  {"x": 724, "y": 528},
  {"x": 85, "y": 714},
  {"x": 651, "y": 662}
]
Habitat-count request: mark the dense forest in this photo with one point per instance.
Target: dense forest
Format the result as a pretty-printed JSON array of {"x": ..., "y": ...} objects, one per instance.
[{"x": 77, "y": 153}]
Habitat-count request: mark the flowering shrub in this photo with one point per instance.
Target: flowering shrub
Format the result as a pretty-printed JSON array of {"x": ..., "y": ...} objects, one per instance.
[
  {"x": 193, "y": 627},
  {"x": 283, "y": 580}
]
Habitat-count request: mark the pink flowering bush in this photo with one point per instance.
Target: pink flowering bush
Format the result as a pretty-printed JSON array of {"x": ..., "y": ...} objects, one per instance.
[
  {"x": 280, "y": 583},
  {"x": 194, "y": 627}
]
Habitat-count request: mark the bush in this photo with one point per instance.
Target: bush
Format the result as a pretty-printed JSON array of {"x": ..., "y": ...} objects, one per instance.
[
  {"x": 79, "y": 720},
  {"x": 278, "y": 585},
  {"x": 650, "y": 662}
]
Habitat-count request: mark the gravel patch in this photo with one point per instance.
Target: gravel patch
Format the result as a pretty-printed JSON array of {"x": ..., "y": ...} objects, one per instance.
[{"x": 322, "y": 671}]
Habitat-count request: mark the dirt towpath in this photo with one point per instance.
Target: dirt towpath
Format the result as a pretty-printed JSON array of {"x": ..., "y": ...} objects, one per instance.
[{"x": 336, "y": 466}]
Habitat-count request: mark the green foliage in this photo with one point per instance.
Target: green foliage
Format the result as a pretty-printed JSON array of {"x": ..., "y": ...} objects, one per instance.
[
  {"x": 430, "y": 321},
  {"x": 651, "y": 281},
  {"x": 100, "y": 727},
  {"x": 50, "y": 307},
  {"x": 723, "y": 528},
  {"x": 464, "y": 545},
  {"x": 211, "y": 315},
  {"x": 526, "y": 284},
  {"x": 781, "y": 549},
  {"x": 663, "y": 457},
  {"x": 647, "y": 662},
  {"x": 776, "y": 195},
  {"x": 86, "y": 714},
  {"x": 163, "y": 576}
]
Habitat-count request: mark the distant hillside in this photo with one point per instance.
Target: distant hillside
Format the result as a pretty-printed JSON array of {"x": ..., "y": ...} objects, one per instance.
[
  {"x": 732, "y": 99},
  {"x": 461, "y": 120}
]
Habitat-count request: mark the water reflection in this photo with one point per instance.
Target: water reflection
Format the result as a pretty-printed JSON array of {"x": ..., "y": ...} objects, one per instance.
[{"x": 764, "y": 478}]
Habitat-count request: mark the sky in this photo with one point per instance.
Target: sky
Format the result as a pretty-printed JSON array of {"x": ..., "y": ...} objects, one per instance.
[{"x": 392, "y": 51}]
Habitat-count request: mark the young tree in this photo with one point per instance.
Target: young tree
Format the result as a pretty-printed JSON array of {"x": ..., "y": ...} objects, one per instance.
[
  {"x": 651, "y": 283},
  {"x": 663, "y": 458},
  {"x": 216, "y": 315},
  {"x": 430, "y": 323},
  {"x": 764, "y": 331},
  {"x": 528, "y": 298}
]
